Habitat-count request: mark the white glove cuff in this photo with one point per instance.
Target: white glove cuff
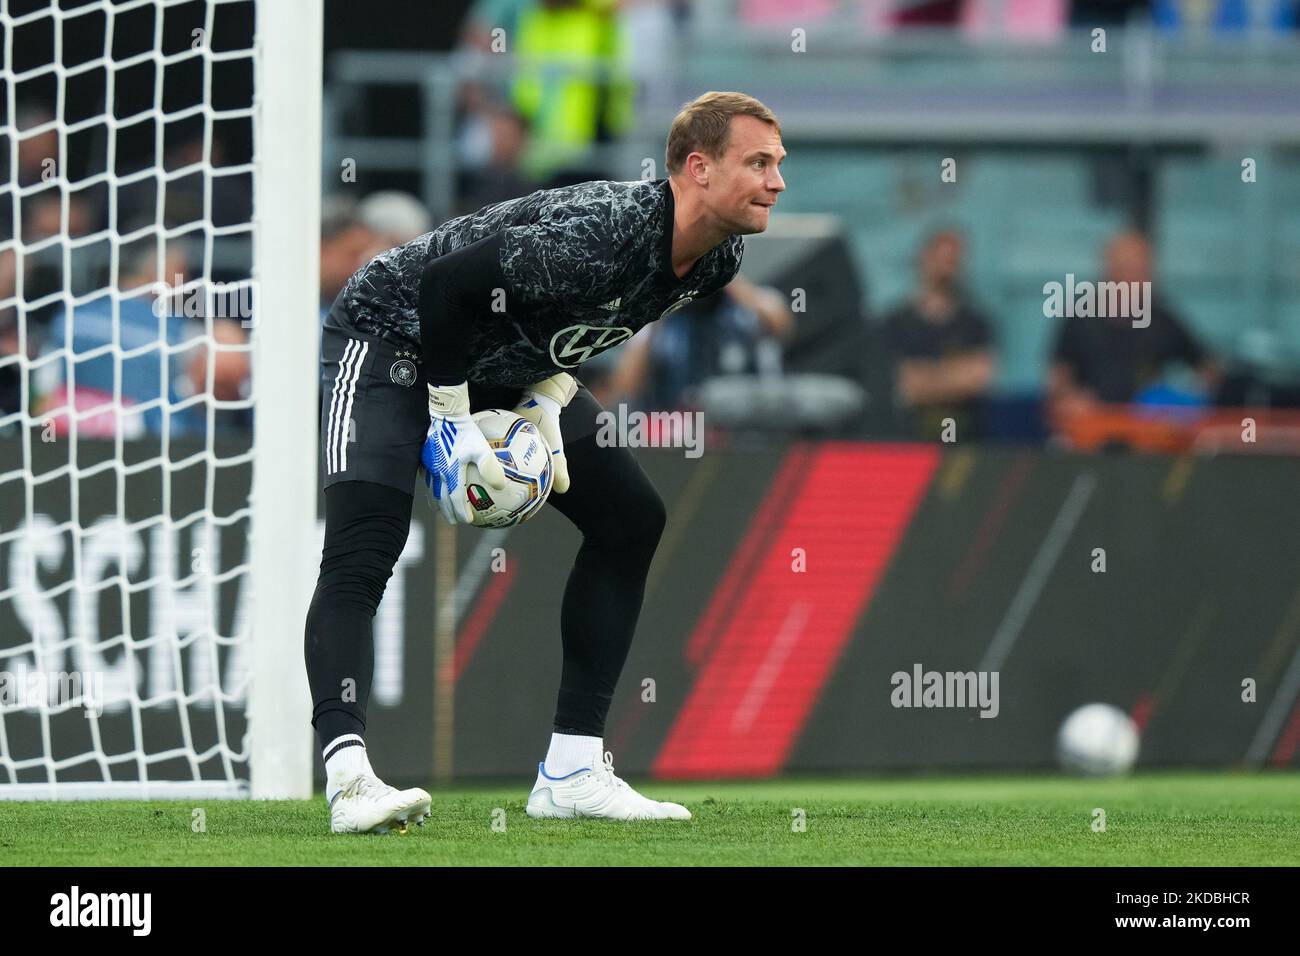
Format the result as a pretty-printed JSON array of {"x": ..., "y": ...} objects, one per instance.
[
  {"x": 558, "y": 388},
  {"x": 549, "y": 405},
  {"x": 449, "y": 401}
]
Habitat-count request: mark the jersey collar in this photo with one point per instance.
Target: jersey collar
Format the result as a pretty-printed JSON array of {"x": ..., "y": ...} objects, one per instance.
[{"x": 666, "y": 243}]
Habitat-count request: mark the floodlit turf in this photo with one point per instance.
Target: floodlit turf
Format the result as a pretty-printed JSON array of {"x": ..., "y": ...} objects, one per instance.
[{"x": 1154, "y": 819}]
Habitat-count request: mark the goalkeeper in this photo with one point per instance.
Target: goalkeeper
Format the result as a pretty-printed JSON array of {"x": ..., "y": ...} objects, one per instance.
[{"x": 497, "y": 309}]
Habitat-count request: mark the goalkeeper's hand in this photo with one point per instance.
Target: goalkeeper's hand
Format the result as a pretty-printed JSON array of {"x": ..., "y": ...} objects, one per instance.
[
  {"x": 453, "y": 441},
  {"x": 541, "y": 404}
]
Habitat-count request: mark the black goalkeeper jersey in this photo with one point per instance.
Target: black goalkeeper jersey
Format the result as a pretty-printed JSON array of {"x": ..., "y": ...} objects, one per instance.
[{"x": 581, "y": 269}]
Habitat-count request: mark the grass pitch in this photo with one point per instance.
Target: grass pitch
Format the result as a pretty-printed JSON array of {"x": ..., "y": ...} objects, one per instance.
[{"x": 1150, "y": 820}]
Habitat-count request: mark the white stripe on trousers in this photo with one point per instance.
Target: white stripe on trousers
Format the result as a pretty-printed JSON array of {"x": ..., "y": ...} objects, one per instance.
[
  {"x": 336, "y": 404},
  {"x": 339, "y": 377},
  {"x": 347, "y": 412}
]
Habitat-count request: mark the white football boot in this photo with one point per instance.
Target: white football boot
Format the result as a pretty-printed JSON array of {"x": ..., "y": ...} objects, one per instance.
[
  {"x": 368, "y": 805},
  {"x": 596, "y": 792}
]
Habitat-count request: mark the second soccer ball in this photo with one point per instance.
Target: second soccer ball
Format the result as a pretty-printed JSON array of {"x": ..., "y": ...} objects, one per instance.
[{"x": 1098, "y": 740}]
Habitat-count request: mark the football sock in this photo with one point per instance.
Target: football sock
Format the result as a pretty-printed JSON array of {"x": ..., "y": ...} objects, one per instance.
[
  {"x": 344, "y": 757},
  {"x": 570, "y": 752}
]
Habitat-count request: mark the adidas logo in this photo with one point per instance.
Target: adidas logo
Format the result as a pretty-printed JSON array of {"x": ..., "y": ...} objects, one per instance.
[{"x": 612, "y": 304}]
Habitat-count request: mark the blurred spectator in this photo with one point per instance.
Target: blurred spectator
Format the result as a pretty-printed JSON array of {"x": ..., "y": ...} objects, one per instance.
[
  {"x": 738, "y": 329},
  {"x": 574, "y": 87},
  {"x": 43, "y": 272},
  {"x": 346, "y": 244},
  {"x": 394, "y": 217},
  {"x": 940, "y": 344},
  {"x": 571, "y": 84},
  {"x": 100, "y": 344},
  {"x": 231, "y": 367},
  {"x": 654, "y": 23},
  {"x": 491, "y": 136},
  {"x": 485, "y": 16},
  {"x": 186, "y": 196},
  {"x": 491, "y": 147},
  {"x": 1109, "y": 360},
  {"x": 1225, "y": 16},
  {"x": 10, "y": 376},
  {"x": 1001, "y": 19},
  {"x": 39, "y": 217},
  {"x": 34, "y": 148}
]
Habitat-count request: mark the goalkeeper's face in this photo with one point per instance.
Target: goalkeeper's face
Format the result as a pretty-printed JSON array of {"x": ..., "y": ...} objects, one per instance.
[{"x": 745, "y": 184}]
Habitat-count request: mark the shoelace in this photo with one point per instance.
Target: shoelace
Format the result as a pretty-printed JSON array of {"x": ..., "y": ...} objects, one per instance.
[
  {"x": 607, "y": 771},
  {"x": 365, "y": 785}
]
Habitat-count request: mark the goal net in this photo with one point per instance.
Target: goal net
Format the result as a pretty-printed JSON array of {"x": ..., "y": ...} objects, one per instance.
[{"x": 159, "y": 215}]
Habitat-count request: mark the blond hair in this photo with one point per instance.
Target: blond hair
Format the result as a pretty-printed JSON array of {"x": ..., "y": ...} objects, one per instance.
[{"x": 704, "y": 126}]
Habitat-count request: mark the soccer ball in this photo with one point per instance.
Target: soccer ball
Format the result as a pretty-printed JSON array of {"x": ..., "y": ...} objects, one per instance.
[
  {"x": 1098, "y": 740},
  {"x": 526, "y": 460}
]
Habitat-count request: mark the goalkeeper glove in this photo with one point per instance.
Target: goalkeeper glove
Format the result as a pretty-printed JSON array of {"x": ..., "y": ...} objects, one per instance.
[
  {"x": 453, "y": 441},
  {"x": 541, "y": 405}
]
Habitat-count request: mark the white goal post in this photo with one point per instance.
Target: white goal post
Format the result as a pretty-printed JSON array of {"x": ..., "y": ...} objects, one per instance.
[
  {"x": 287, "y": 267},
  {"x": 158, "y": 534}
]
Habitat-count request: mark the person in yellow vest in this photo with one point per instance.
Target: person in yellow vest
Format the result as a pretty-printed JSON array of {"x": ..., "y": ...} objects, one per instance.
[{"x": 572, "y": 84}]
